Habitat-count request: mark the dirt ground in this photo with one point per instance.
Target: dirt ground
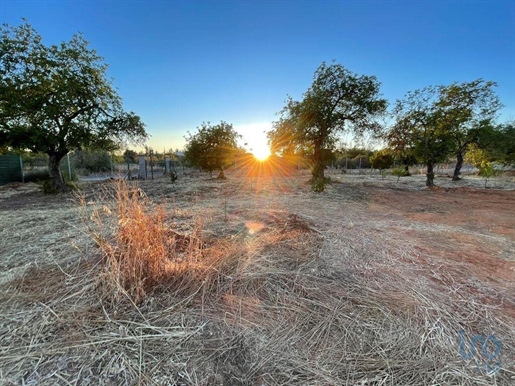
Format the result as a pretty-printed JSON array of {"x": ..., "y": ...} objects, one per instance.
[{"x": 452, "y": 247}]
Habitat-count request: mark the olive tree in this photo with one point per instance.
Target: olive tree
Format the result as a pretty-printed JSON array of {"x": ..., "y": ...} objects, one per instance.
[
  {"x": 382, "y": 159},
  {"x": 212, "y": 147},
  {"x": 57, "y": 98},
  {"x": 338, "y": 100},
  {"x": 420, "y": 129},
  {"x": 466, "y": 111}
]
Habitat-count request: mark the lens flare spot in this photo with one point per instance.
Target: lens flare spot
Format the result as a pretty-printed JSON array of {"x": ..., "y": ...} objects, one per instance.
[{"x": 254, "y": 226}]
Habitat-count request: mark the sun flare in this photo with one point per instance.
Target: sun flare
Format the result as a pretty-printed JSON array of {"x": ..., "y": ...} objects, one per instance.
[
  {"x": 255, "y": 139},
  {"x": 261, "y": 153}
]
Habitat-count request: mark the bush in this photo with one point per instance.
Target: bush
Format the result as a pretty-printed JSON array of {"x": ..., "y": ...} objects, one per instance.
[
  {"x": 487, "y": 170},
  {"x": 47, "y": 187},
  {"x": 92, "y": 161},
  {"x": 400, "y": 172}
]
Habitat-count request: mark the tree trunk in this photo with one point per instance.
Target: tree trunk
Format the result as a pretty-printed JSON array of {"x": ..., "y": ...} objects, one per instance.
[
  {"x": 406, "y": 168},
  {"x": 56, "y": 177},
  {"x": 318, "y": 162},
  {"x": 221, "y": 175},
  {"x": 459, "y": 164},
  {"x": 430, "y": 176}
]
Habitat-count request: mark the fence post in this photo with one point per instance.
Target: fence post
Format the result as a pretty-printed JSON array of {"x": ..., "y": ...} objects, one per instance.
[
  {"x": 21, "y": 170},
  {"x": 142, "y": 167},
  {"x": 69, "y": 166}
]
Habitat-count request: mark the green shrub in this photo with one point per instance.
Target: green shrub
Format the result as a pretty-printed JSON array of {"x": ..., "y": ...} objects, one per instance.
[
  {"x": 487, "y": 170},
  {"x": 47, "y": 187},
  {"x": 92, "y": 161},
  {"x": 400, "y": 172}
]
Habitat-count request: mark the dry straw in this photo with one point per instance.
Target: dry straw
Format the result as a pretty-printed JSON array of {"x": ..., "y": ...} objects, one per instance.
[{"x": 288, "y": 305}]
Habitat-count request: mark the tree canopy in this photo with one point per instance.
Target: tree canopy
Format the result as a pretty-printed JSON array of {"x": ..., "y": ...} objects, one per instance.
[
  {"x": 465, "y": 111},
  {"x": 212, "y": 147},
  {"x": 55, "y": 99},
  {"x": 382, "y": 159},
  {"x": 419, "y": 129},
  {"x": 337, "y": 100},
  {"x": 434, "y": 122}
]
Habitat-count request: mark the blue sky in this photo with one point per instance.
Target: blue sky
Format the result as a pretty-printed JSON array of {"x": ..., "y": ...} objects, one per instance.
[{"x": 179, "y": 63}]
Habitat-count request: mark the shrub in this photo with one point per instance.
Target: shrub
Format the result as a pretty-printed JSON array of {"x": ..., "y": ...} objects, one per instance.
[
  {"x": 487, "y": 170},
  {"x": 92, "y": 161},
  {"x": 47, "y": 187},
  {"x": 400, "y": 172}
]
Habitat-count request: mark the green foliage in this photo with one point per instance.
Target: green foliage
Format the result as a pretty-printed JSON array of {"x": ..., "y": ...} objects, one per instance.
[
  {"x": 58, "y": 98},
  {"x": 32, "y": 160},
  {"x": 476, "y": 156},
  {"x": 420, "y": 129},
  {"x": 212, "y": 147},
  {"x": 505, "y": 143},
  {"x": 336, "y": 101},
  {"x": 47, "y": 187},
  {"x": 381, "y": 159},
  {"x": 495, "y": 144},
  {"x": 487, "y": 170},
  {"x": 354, "y": 158},
  {"x": 400, "y": 172},
  {"x": 466, "y": 111},
  {"x": 92, "y": 161},
  {"x": 130, "y": 156}
]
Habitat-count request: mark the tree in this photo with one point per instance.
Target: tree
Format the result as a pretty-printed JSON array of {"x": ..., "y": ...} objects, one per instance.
[
  {"x": 401, "y": 147},
  {"x": 130, "y": 156},
  {"x": 381, "y": 159},
  {"x": 212, "y": 147},
  {"x": 55, "y": 99},
  {"x": 505, "y": 143},
  {"x": 336, "y": 101},
  {"x": 497, "y": 144},
  {"x": 420, "y": 129},
  {"x": 465, "y": 111}
]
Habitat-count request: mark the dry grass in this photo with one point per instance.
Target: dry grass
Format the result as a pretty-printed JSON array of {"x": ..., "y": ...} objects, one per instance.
[{"x": 165, "y": 300}]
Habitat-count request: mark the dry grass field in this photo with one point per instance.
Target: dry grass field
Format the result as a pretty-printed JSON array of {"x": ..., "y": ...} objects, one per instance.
[{"x": 258, "y": 281}]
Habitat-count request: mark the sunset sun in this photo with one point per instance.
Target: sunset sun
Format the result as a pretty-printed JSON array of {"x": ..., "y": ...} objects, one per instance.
[
  {"x": 256, "y": 142},
  {"x": 261, "y": 153}
]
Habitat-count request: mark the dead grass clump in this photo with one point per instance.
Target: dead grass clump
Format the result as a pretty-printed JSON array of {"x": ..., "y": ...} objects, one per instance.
[{"x": 140, "y": 252}]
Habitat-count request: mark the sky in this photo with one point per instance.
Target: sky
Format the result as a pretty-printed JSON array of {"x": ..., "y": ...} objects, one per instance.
[{"x": 180, "y": 63}]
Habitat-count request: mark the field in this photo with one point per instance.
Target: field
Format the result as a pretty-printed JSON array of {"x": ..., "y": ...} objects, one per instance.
[{"x": 371, "y": 282}]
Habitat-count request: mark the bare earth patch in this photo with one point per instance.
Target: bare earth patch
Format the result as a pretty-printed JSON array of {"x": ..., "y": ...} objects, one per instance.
[{"x": 372, "y": 282}]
